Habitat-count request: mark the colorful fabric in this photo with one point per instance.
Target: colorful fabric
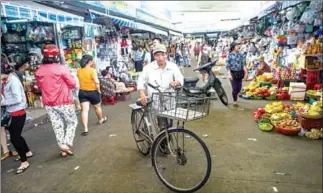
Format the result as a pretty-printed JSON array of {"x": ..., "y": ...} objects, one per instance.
[{"x": 61, "y": 116}]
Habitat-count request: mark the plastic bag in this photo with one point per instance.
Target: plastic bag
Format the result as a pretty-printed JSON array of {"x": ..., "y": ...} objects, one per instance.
[
  {"x": 308, "y": 17},
  {"x": 316, "y": 5}
]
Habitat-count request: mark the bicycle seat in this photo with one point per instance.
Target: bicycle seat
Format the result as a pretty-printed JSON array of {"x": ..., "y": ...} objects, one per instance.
[
  {"x": 194, "y": 91},
  {"x": 149, "y": 101}
]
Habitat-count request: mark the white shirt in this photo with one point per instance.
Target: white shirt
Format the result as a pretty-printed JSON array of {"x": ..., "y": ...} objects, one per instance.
[
  {"x": 147, "y": 57},
  {"x": 154, "y": 75}
]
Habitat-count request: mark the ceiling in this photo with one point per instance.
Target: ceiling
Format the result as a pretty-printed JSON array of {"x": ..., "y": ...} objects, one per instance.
[{"x": 191, "y": 16}]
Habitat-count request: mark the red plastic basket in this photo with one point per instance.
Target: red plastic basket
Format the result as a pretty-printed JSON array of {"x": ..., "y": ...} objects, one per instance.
[
  {"x": 308, "y": 124},
  {"x": 287, "y": 131}
]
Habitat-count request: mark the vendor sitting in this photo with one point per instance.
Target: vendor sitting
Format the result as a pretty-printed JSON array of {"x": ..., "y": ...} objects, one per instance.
[
  {"x": 107, "y": 84},
  {"x": 263, "y": 67}
]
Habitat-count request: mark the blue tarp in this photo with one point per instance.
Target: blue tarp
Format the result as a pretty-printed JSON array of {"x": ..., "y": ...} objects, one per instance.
[
  {"x": 37, "y": 12},
  {"x": 120, "y": 21}
]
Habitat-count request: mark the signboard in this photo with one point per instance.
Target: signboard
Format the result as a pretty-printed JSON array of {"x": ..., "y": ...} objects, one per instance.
[
  {"x": 158, "y": 12},
  {"x": 145, "y": 16}
]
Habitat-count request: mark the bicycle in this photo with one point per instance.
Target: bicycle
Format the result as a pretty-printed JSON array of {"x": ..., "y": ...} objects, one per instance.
[{"x": 153, "y": 139}]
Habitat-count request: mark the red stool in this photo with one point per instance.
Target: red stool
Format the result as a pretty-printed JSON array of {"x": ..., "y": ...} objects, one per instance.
[{"x": 109, "y": 100}]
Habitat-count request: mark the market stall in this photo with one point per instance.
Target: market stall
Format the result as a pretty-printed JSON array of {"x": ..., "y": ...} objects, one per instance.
[
  {"x": 26, "y": 28},
  {"x": 290, "y": 40},
  {"x": 301, "y": 119}
]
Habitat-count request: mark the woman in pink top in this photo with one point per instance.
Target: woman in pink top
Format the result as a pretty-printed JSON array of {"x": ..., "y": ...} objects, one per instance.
[{"x": 56, "y": 83}]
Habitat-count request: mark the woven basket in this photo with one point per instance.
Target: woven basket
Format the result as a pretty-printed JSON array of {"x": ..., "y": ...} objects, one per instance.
[{"x": 306, "y": 116}]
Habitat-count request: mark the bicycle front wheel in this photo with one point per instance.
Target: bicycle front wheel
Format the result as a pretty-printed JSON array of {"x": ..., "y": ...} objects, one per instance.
[{"x": 187, "y": 168}]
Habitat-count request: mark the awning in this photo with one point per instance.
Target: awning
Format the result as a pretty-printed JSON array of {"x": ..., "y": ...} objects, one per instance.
[
  {"x": 272, "y": 8},
  {"x": 175, "y": 33},
  {"x": 286, "y": 4},
  {"x": 36, "y": 12},
  {"x": 144, "y": 27},
  {"x": 118, "y": 20}
]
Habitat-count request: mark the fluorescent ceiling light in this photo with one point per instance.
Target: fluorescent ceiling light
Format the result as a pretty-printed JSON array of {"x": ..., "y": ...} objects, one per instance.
[{"x": 17, "y": 21}]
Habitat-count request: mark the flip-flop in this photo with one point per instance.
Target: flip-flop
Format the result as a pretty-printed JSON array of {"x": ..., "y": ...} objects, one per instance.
[
  {"x": 18, "y": 159},
  {"x": 105, "y": 118},
  {"x": 68, "y": 152},
  {"x": 85, "y": 133},
  {"x": 21, "y": 170},
  {"x": 63, "y": 154}
]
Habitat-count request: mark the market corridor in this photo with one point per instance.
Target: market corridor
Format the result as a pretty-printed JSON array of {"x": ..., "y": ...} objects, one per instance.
[{"x": 245, "y": 159}]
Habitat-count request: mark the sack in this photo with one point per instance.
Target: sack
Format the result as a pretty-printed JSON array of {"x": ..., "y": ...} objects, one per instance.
[{"x": 237, "y": 74}]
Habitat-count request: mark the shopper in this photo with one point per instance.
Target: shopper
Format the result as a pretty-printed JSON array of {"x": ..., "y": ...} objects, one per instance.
[
  {"x": 186, "y": 55},
  {"x": 178, "y": 54},
  {"x": 76, "y": 90},
  {"x": 139, "y": 59},
  {"x": 89, "y": 92},
  {"x": 5, "y": 119},
  {"x": 156, "y": 41},
  {"x": 237, "y": 71},
  {"x": 197, "y": 50},
  {"x": 15, "y": 102},
  {"x": 146, "y": 57},
  {"x": 151, "y": 50},
  {"x": 56, "y": 83}
]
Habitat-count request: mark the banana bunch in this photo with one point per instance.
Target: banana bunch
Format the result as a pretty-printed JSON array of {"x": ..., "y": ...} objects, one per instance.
[{"x": 314, "y": 134}]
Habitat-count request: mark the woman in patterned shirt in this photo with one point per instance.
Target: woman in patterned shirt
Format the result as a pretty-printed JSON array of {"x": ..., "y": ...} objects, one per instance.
[
  {"x": 107, "y": 85},
  {"x": 236, "y": 66}
]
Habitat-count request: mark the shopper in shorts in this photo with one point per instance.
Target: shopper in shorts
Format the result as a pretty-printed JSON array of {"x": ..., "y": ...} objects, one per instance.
[{"x": 90, "y": 92}]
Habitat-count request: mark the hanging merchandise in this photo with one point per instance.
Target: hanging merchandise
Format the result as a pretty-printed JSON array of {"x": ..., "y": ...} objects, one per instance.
[
  {"x": 316, "y": 6},
  {"x": 72, "y": 45},
  {"x": 308, "y": 16}
]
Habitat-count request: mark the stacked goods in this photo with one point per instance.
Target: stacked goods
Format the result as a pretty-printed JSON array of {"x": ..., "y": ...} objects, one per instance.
[
  {"x": 283, "y": 94},
  {"x": 255, "y": 91},
  {"x": 314, "y": 134},
  {"x": 297, "y": 91},
  {"x": 266, "y": 77}
]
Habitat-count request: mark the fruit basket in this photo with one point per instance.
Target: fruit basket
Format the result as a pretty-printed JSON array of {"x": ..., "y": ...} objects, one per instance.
[
  {"x": 272, "y": 97},
  {"x": 257, "y": 97},
  {"x": 265, "y": 126},
  {"x": 287, "y": 131},
  {"x": 309, "y": 116},
  {"x": 308, "y": 124}
]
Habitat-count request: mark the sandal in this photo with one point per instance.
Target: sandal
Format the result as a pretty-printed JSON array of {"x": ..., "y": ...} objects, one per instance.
[
  {"x": 68, "y": 152},
  {"x": 21, "y": 170},
  {"x": 105, "y": 118},
  {"x": 63, "y": 154},
  {"x": 85, "y": 133}
]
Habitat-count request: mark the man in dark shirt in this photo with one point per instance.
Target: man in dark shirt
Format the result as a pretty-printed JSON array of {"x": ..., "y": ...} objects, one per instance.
[{"x": 151, "y": 49}]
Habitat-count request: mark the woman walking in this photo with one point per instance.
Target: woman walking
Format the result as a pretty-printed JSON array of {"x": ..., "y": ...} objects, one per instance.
[
  {"x": 236, "y": 66},
  {"x": 58, "y": 97},
  {"x": 15, "y": 102},
  {"x": 89, "y": 92}
]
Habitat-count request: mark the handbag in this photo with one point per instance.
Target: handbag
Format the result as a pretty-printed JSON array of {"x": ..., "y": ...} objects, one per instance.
[{"x": 237, "y": 74}]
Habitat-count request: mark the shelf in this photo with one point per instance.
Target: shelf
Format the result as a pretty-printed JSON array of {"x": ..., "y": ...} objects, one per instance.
[{"x": 30, "y": 41}]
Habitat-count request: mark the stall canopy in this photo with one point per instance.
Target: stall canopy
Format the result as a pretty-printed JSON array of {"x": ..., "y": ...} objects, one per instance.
[
  {"x": 31, "y": 11},
  {"x": 175, "y": 33},
  {"x": 145, "y": 27},
  {"x": 118, "y": 20}
]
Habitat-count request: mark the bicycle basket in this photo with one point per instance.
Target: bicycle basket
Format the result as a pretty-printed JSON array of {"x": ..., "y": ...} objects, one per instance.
[{"x": 179, "y": 107}]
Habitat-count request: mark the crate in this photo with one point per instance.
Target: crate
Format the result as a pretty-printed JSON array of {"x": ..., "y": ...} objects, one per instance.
[
  {"x": 310, "y": 62},
  {"x": 308, "y": 124}
]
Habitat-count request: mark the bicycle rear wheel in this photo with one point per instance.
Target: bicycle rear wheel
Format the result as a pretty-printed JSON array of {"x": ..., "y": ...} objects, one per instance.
[
  {"x": 178, "y": 172},
  {"x": 138, "y": 124}
]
